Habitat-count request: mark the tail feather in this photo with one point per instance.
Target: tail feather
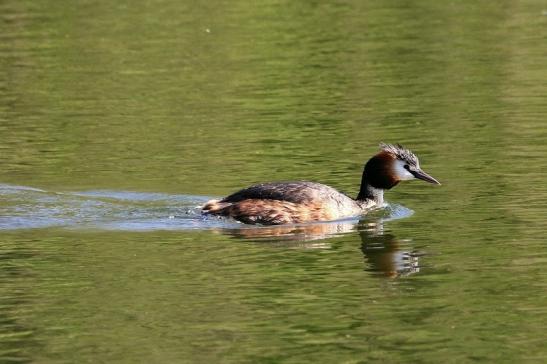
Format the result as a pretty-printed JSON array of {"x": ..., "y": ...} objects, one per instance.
[{"x": 215, "y": 207}]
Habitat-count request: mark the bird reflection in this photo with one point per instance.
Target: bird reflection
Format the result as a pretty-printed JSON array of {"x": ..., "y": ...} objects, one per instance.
[
  {"x": 384, "y": 254},
  {"x": 303, "y": 233}
]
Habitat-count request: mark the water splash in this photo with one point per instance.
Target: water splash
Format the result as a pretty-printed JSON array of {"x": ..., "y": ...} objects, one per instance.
[{"x": 30, "y": 208}]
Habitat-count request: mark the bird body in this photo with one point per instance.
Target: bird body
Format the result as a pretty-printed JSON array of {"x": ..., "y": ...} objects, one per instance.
[
  {"x": 302, "y": 201},
  {"x": 287, "y": 202}
]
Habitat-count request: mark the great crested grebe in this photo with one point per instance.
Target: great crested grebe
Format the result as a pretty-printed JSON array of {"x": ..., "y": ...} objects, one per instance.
[{"x": 297, "y": 202}]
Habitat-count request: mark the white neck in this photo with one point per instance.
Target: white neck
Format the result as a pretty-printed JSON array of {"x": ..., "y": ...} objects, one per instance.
[{"x": 371, "y": 196}]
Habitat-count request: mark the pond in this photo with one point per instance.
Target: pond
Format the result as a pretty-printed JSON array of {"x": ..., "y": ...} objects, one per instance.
[{"x": 118, "y": 120}]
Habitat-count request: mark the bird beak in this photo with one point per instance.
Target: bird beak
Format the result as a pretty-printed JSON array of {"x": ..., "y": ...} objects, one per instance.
[{"x": 419, "y": 174}]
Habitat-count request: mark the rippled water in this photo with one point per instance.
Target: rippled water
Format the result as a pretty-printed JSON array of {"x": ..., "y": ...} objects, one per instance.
[
  {"x": 32, "y": 208},
  {"x": 117, "y": 120}
]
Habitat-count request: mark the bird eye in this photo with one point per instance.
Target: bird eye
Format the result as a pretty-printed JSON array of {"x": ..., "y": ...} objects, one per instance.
[{"x": 406, "y": 167}]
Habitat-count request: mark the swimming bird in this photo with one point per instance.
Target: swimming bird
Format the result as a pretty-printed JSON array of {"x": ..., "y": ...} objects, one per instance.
[{"x": 277, "y": 203}]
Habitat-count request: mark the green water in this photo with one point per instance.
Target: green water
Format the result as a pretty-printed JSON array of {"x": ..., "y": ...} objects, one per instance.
[{"x": 117, "y": 119}]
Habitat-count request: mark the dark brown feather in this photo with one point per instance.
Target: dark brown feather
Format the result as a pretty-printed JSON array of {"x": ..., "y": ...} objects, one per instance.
[
  {"x": 379, "y": 171},
  {"x": 297, "y": 192},
  {"x": 271, "y": 212}
]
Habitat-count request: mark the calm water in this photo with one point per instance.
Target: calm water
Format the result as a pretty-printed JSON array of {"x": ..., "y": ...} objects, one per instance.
[{"x": 118, "y": 119}]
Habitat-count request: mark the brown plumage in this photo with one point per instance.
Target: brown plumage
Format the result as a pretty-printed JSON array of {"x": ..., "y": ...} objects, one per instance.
[
  {"x": 297, "y": 202},
  {"x": 271, "y": 212}
]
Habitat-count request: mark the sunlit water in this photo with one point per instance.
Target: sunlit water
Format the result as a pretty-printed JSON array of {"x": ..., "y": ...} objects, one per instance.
[
  {"x": 31, "y": 208},
  {"x": 118, "y": 119}
]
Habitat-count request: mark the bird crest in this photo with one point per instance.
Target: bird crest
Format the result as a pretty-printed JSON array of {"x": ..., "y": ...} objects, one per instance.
[{"x": 400, "y": 152}]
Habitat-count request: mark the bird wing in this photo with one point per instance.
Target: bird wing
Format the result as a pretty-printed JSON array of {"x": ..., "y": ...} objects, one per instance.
[{"x": 296, "y": 192}]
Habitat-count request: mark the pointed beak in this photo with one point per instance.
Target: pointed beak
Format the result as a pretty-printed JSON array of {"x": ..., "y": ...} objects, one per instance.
[{"x": 419, "y": 174}]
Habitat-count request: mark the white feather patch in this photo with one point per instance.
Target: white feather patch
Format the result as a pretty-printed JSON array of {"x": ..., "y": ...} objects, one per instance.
[{"x": 401, "y": 172}]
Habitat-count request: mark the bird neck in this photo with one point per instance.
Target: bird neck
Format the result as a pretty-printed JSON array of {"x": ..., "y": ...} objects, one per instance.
[{"x": 369, "y": 193}]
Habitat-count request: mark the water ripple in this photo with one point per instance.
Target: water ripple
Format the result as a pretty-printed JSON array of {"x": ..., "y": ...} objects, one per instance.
[{"x": 31, "y": 208}]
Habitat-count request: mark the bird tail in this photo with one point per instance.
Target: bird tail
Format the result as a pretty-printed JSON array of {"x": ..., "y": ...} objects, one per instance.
[{"x": 215, "y": 207}]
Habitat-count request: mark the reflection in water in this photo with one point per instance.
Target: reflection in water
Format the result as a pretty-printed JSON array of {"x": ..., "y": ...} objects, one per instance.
[
  {"x": 294, "y": 233},
  {"x": 383, "y": 252}
]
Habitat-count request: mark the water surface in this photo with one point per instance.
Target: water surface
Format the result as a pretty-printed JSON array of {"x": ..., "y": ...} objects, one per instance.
[{"x": 117, "y": 120}]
